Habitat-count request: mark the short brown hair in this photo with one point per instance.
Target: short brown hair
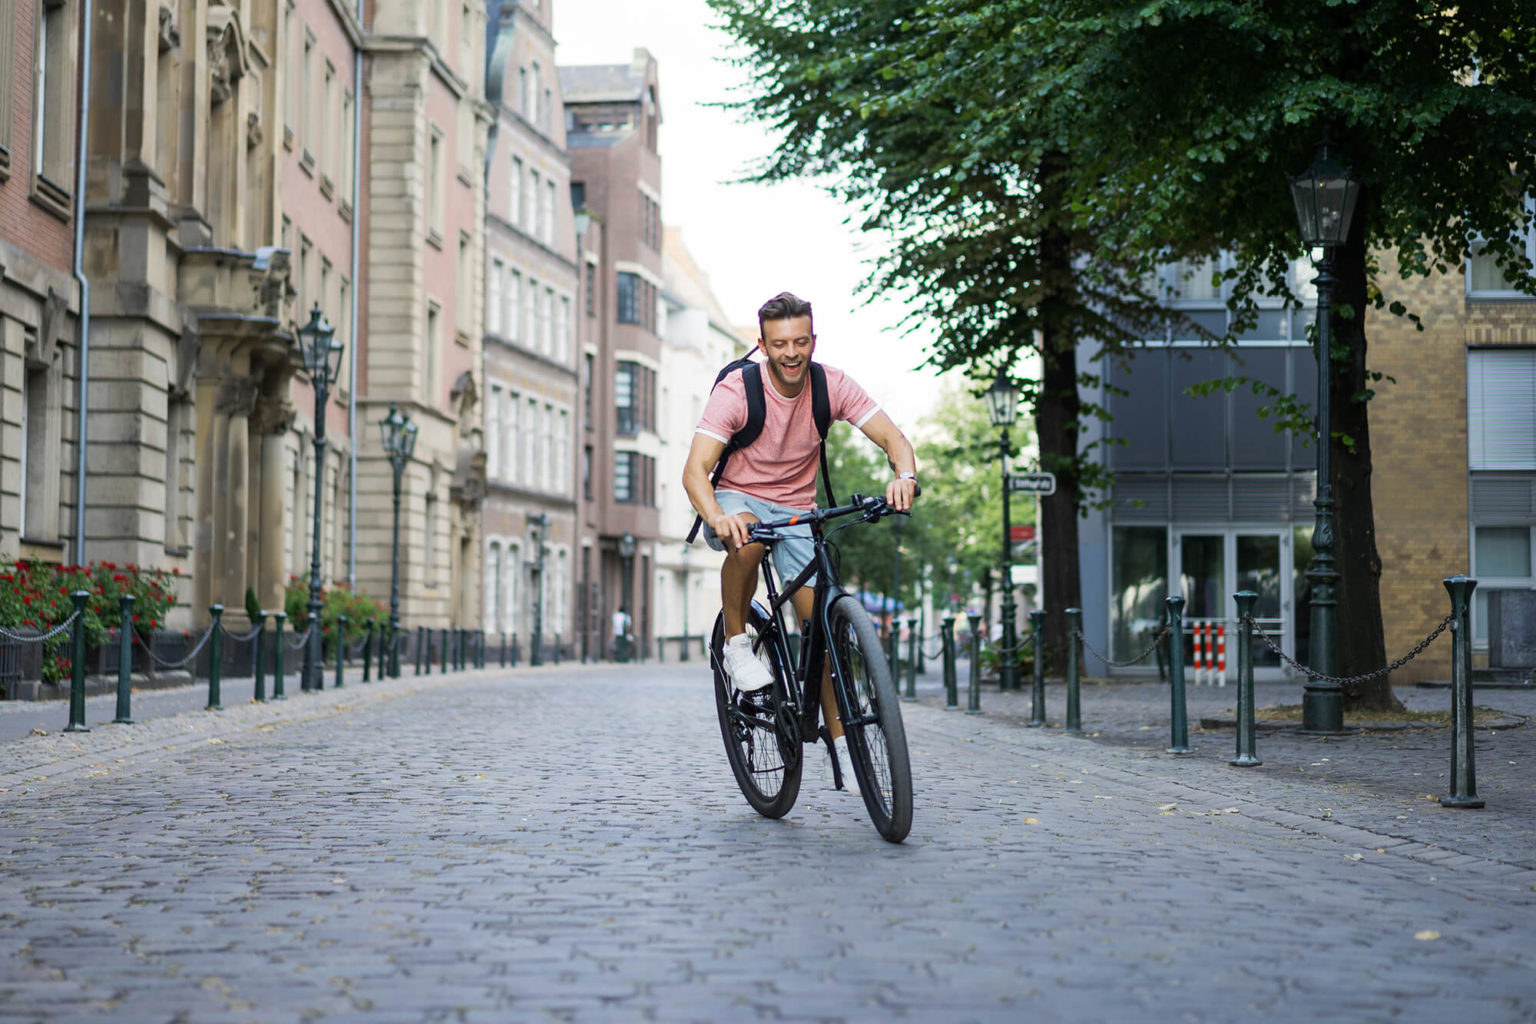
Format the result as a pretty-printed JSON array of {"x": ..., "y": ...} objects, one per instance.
[{"x": 784, "y": 306}]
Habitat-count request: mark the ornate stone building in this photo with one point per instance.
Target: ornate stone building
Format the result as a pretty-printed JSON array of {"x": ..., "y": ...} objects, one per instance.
[
  {"x": 532, "y": 353},
  {"x": 235, "y": 151}
]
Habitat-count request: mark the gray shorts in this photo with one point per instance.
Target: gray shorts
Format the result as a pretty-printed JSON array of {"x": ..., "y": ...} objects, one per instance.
[{"x": 791, "y": 554}]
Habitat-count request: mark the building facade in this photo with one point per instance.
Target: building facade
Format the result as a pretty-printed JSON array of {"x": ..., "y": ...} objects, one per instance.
[
  {"x": 532, "y": 416},
  {"x": 40, "y": 356},
  {"x": 1208, "y": 499},
  {"x": 697, "y": 340},
  {"x": 234, "y": 152},
  {"x": 613, "y": 120}
]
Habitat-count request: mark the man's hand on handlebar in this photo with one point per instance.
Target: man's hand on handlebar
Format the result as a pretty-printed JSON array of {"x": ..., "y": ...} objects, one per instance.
[
  {"x": 731, "y": 528},
  {"x": 899, "y": 494}
]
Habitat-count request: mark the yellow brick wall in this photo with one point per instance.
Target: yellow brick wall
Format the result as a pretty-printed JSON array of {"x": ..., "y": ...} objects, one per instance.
[{"x": 1419, "y": 449}]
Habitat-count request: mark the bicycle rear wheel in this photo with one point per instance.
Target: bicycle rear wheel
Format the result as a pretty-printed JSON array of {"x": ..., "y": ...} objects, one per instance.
[
  {"x": 877, "y": 741},
  {"x": 763, "y": 753}
]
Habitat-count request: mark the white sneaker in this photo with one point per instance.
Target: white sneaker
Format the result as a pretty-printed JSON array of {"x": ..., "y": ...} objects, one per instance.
[
  {"x": 839, "y": 749},
  {"x": 747, "y": 673}
]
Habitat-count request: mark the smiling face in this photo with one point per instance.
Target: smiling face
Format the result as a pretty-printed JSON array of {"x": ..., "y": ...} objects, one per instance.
[{"x": 788, "y": 345}]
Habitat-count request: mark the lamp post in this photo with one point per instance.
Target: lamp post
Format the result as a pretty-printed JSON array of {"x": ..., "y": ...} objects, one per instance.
[
  {"x": 1325, "y": 196},
  {"x": 538, "y": 533},
  {"x": 1002, "y": 406},
  {"x": 627, "y": 554},
  {"x": 684, "y": 656},
  {"x": 321, "y": 353},
  {"x": 399, "y": 438},
  {"x": 950, "y": 563}
]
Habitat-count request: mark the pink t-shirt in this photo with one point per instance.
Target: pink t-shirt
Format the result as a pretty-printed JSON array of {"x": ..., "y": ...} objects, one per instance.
[{"x": 780, "y": 466}]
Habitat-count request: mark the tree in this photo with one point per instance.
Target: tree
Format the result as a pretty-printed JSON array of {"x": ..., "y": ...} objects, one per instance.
[
  {"x": 1179, "y": 147},
  {"x": 984, "y": 240}
]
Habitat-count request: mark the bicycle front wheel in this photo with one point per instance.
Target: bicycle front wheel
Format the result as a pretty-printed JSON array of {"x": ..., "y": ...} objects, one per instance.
[
  {"x": 764, "y": 754},
  {"x": 877, "y": 741}
]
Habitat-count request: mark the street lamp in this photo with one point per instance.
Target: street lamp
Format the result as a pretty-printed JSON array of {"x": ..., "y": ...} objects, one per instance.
[
  {"x": 538, "y": 533},
  {"x": 321, "y": 353},
  {"x": 399, "y": 437},
  {"x": 1325, "y": 196},
  {"x": 950, "y": 563},
  {"x": 684, "y": 656},
  {"x": 1002, "y": 406}
]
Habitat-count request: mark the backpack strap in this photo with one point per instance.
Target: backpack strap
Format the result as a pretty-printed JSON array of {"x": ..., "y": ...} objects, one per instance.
[
  {"x": 821, "y": 412},
  {"x": 757, "y": 413}
]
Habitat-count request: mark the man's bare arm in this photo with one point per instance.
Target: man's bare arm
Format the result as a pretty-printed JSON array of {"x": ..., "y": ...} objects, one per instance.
[
  {"x": 880, "y": 429},
  {"x": 702, "y": 456}
]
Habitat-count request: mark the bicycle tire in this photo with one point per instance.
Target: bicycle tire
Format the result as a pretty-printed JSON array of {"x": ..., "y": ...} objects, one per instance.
[
  {"x": 877, "y": 740},
  {"x": 764, "y": 759}
]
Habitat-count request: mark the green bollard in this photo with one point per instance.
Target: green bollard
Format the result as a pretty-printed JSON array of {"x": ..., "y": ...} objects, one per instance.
[
  {"x": 125, "y": 662},
  {"x": 278, "y": 619},
  {"x": 973, "y": 696},
  {"x": 259, "y": 694},
  {"x": 1178, "y": 739},
  {"x": 367, "y": 650},
  {"x": 951, "y": 696},
  {"x": 215, "y": 656},
  {"x": 1178, "y": 713},
  {"x": 420, "y": 631},
  {"x": 1074, "y": 671},
  {"x": 77, "y": 666},
  {"x": 503, "y": 650},
  {"x": 1037, "y": 685},
  {"x": 1246, "y": 756},
  {"x": 1463, "y": 767},
  {"x": 912, "y": 647},
  {"x": 341, "y": 648},
  {"x": 445, "y": 650}
]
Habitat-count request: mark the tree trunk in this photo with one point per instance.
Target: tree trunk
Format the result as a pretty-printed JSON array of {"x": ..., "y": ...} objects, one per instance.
[
  {"x": 1359, "y": 632},
  {"x": 1056, "y": 418}
]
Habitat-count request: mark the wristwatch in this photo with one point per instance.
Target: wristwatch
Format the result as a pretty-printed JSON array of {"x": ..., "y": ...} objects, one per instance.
[{"x": 907, "y": 476}]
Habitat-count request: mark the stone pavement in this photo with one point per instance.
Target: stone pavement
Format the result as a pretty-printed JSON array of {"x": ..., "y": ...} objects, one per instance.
[{"x": 568, "y": 845}]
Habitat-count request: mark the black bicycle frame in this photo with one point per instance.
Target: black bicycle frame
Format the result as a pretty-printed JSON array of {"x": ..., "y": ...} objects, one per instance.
[{"x": 814, "y": 648}]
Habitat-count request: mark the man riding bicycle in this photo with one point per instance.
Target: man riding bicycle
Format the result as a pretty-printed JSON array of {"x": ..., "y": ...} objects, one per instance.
[{"x": 775, "y": 476}]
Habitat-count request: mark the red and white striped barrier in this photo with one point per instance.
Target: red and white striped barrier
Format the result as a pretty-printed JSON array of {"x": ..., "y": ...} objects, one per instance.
[{"x": 1208, "y": 651}]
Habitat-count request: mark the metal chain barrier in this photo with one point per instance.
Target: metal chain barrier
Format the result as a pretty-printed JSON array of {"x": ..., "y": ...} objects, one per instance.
[
  {"x": 300, "y": 639},
  {"x": 58, "y": 630},
  {"x": 1015, "y": 649},
  {"x": 243, "y": 638},
  {"x": 182, "y": 663},
  {"x": 937, "y": 650},
  {"x": 1350, "y": 681},
  {"x": 353, "y": 650},
  {"x": 1162, "y": 634}
]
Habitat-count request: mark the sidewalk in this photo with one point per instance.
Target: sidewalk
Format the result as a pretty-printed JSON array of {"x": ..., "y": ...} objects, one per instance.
[{"x": 1386, "y": 779}]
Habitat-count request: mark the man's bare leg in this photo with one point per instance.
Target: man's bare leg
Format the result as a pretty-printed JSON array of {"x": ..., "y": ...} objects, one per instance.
[
  {"x": 804, "y": 601},
  {"x": 738, "y": 582}
]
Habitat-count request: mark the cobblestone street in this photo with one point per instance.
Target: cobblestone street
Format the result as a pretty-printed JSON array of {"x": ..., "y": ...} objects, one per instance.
[{"x": 568, "y": 844}]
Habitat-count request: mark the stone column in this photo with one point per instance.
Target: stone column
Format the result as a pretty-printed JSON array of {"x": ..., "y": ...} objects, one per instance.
[
  {"x": 268, "y": 525},
  {"x": 237, "y": 397}
]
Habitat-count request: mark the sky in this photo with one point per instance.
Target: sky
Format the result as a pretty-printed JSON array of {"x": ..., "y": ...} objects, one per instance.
[{"x": 753, "y": 241}]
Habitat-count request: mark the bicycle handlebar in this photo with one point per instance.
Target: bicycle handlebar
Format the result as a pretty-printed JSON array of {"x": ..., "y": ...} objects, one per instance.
[{"x": 870, "y": 506}]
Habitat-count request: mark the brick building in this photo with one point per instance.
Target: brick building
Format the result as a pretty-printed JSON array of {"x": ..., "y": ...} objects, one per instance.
[{"x": 613, "y": 120}]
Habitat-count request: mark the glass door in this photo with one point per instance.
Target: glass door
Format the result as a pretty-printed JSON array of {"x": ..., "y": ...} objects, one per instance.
[{"x": 1212, "y": 565}]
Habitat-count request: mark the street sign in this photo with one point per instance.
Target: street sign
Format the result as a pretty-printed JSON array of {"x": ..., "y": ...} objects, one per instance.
[
  {"x": 1020, "y": 534},
  {"x": 1032, "y": 483}
]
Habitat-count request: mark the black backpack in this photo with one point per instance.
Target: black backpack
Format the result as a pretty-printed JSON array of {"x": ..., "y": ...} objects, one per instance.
[{"x": 757, "y": 412}]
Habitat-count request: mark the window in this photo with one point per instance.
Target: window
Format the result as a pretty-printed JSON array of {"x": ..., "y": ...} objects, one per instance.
[
  {"x": 563, "y": 453},
  {"x": 493, "y": 297},
  {"x": 493, "y": 431},
  {"x": 53, "y": 118},
  {"x": 326, "y": 144},
  {"x": 1487, "y": 280},
  {"x": 515, "y": 306},
  {"x": 591, "y": 289},
  {"x": 515, "y": 192},
  {"x": 493, "y": 588},
  {"x": 347, "y": 154},
  {"x": 588, "y": 380},
  {"x": 530, "y": 332},
  {"x": 1501, "y": 409},
  {"x": 531, "y": 435},
  {"x": 464, "y": 285},
  {"x": 531, "y": 101},
  {"x": 522, "y": 90},
  {"x": 7, "y": 88},
  {"x": 548, "y": 214},
  {"x": 512, "y": 467},
  {"x": 1192, "y": 281},
  {"x": 550, "y": 477},
  {"x": 629, "y": 298},
  {"x": 429, "y": 541},
  {"x": 434, "y": 351},
  {"x": 40, "y": 441},
  {"x": 306, "y": 104},
  {"x": 293, "y": 109},
  {"x": 563, "y": 340},
  {"x": 627, "y": 422},
  {"x": 435, "y": 184},
  {"x": 531, "y": 215},
  {"x": 547, "y": 326},
  {"x": 634, "y": 479},
  {"x": 176, "y": 420},
  {"x": 586, "y": 473}
]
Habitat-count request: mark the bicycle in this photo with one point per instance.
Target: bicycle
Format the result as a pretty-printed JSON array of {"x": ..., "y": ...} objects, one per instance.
[{"x": 765, "y": 732}]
